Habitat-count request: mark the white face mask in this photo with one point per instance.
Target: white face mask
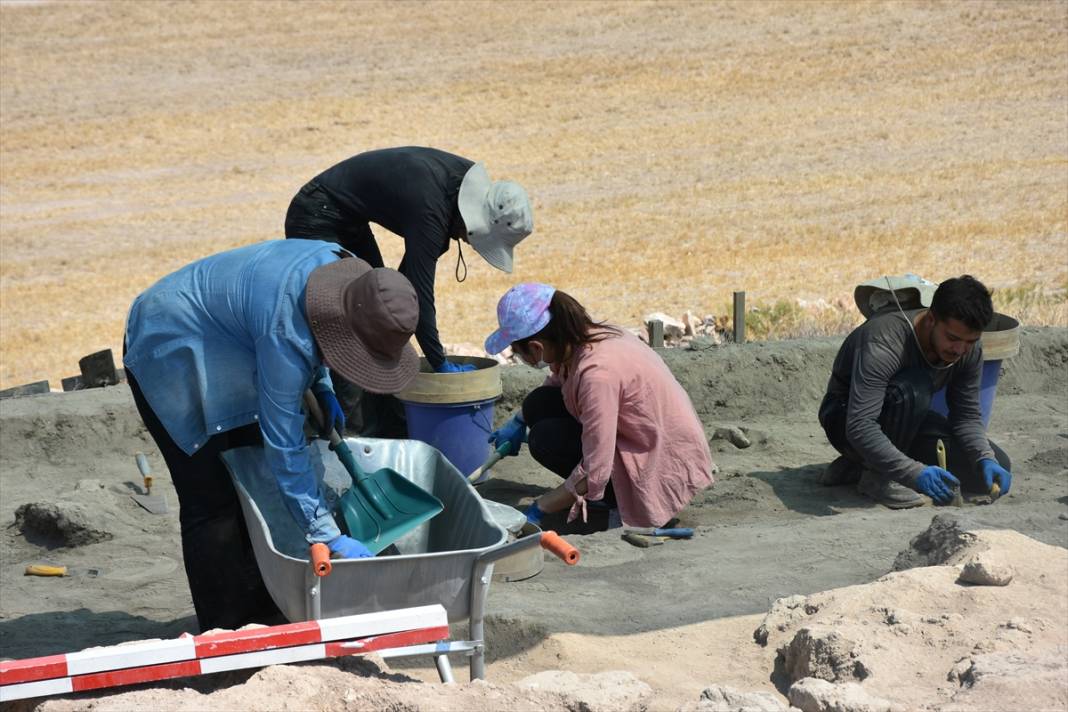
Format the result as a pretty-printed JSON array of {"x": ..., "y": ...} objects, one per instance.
[{"x": 539, "y": 365}]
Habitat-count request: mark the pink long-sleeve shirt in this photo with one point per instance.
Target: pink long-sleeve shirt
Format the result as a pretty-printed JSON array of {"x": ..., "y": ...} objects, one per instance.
[{"x": 639, "y": 430}]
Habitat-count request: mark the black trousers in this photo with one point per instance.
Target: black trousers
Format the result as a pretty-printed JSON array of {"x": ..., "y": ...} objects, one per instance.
[
  {"x": 914, "y": 429},
  {"x": 554, "y": 436},
  {"x": 313, "y": 215},
  {"x": 224, "y": 580}
]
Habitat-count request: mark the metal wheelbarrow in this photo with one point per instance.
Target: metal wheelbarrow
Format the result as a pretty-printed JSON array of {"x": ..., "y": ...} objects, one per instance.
[{"x": 446, "y": 560}]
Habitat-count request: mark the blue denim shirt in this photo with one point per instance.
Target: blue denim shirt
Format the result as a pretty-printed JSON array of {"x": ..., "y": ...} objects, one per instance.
[{"x": 224, "y": 342}]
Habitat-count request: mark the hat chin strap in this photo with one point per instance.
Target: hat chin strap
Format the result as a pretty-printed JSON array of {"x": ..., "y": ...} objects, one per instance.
[{"x": 460, "y": 261}]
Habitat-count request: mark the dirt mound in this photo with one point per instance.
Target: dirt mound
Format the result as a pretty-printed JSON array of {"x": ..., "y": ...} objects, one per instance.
[
  {"x": 52, "y": 524},
  {"x": 368, "y": 684},
  {"x": 944, "y": 627}
]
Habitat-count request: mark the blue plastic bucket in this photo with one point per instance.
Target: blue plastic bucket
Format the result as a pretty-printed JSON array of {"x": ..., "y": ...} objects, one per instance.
[
  {"x": 987, "y": 388},
  {"x": 1001, "y": 340},
  {"x": 460, "y": 431}
]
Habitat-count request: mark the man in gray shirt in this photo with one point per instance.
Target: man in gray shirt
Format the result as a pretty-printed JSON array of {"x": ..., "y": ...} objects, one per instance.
[{"x": 876, "y": 411}]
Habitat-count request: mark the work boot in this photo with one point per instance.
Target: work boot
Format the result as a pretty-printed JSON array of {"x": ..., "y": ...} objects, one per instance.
[
  {"x": 842, "y": 471},
  {"x": 888, "y": 493}
]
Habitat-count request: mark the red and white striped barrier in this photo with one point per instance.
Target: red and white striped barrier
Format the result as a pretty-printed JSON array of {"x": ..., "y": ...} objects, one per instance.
[{"x": 150, "y": 661}]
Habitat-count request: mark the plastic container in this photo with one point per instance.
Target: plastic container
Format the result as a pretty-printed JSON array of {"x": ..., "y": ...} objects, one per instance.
[
  {"x": 1001, "y": 340},
  {"x": 453, "y": 412}
]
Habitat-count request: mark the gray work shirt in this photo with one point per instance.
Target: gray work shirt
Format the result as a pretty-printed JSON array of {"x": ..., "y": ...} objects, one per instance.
[{"x": 872, "y": 355}]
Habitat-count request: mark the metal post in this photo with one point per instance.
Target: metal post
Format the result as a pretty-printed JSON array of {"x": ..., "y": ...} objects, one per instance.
[
  {"x": 480, "y": 582},
  {"x": 313, "y": 605},
  {"x": 444, "y": 669},
  {"x": 739, "y": 317},
  {"x": 656, "y": 334}
]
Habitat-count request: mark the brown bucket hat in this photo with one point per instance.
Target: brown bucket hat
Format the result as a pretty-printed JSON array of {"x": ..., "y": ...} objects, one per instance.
[{"x": 362, "y": 319}]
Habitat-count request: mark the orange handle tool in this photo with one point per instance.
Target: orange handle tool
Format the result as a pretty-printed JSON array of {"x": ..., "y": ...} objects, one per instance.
[
  {"x": 320, "y": 559},
  {"x": 555, "y": 544}
]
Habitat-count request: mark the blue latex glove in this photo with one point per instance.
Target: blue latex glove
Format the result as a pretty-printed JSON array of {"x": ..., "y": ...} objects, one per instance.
[
  {"x": 349, "y": 548},
  {"x": 937, "y": 484},
  {"x": 991, "y": 471},
  {"x": 534, "y": 514},
  {"x": 513, "y": 432},
  {"x": 333, "y": 416},
  {"x": 450, "y": 367}
]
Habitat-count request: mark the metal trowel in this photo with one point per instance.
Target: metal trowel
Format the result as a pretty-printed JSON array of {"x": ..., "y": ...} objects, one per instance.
[{"x": 154, "y": 503}]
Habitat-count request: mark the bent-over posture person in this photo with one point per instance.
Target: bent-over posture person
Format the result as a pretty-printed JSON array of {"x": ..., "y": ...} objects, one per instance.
[
  {"x": 610, "y": 418},
  {"x": 219, "y": 355},
  {"x": 429, "y": 198},
  {"x": 426, "y": 196},
  {"x": 876, "y": 412}
]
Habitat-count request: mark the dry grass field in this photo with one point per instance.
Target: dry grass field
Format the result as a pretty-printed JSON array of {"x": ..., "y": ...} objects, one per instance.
[{"x": 674, "y": 152}]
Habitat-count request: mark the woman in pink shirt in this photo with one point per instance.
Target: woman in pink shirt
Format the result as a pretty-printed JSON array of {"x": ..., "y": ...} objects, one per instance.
[{"x": 610, "y": 418}]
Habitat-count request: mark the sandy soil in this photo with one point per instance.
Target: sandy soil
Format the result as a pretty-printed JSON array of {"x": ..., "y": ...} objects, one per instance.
[
  {"x": 678, "y": 618},
  {"x": 674, "y": 151}
]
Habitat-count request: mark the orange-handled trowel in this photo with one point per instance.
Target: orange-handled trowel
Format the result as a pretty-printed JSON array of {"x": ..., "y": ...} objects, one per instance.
[{"x": 154, "y": 503}]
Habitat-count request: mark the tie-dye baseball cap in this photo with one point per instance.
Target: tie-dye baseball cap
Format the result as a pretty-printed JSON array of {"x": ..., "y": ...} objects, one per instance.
[{"x": 523, "y": 311}]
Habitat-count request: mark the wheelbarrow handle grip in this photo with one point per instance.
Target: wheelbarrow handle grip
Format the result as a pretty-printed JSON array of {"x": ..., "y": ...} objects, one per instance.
[
  {"x": 320, "y": 559},
  {"x": 557, "y": 545}
]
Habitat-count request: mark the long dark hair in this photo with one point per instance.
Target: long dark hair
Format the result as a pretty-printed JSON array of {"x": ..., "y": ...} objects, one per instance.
[{"x": 570, "y": 327}]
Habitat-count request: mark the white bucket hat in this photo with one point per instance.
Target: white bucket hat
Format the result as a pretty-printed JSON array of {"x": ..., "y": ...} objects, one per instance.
[
  {"x": 877, "y": 295},
  {"x": 497, "y": 215}
]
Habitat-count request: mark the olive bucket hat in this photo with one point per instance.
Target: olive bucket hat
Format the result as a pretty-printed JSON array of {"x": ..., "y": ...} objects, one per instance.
[
  {"x": 497, "y": 215},
  {"x": 362, "y": 320}
]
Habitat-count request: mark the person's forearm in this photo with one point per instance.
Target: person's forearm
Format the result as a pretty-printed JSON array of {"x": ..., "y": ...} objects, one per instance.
[{"x": 559, "y": 499}]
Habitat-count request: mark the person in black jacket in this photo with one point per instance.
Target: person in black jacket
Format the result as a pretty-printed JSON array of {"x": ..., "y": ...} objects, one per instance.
[
  {"x": 877, "y": 415},
  {"x": 428, "y": 197}
]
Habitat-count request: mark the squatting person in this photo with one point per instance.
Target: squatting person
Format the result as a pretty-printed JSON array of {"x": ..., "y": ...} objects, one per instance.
[
  {"x": 876, "y": 410},
  {"x": 219, "y": 355},
  {"x": 610, "y": 417}
]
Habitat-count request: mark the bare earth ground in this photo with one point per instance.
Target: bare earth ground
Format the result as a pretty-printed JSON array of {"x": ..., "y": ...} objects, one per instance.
[
  {"x": 674, "y": 151},
  {"x": 676, "y": 618}
]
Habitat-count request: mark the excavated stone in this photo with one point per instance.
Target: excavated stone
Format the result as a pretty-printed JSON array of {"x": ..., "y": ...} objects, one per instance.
[
  {"x": 784, "y": 613},
  {"x": 719, "y": 698},
  {"x": 937, "y": 545},
  {"x": 813, "y": 695},
  {"x": 612, "y": 691},
  {"x": 1032, "y": 680},
  {"x": 984, "y": 570},
  {"x": 734, "y": 435},
  {"x": 673, "y": 328},
  {"x": 823, "y": 653}
]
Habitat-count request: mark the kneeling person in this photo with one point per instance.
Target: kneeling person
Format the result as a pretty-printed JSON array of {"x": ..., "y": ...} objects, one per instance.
[
  {"x": 877, "y": 409},
  {"x": 610, "y": 418}
]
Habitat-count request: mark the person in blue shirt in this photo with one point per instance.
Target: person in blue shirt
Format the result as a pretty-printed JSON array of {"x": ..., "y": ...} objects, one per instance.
[{"x": 219, "y": 354}]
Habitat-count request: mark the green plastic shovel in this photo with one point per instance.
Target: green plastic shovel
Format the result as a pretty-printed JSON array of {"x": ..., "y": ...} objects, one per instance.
[{"x": 380, "y": 507}]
